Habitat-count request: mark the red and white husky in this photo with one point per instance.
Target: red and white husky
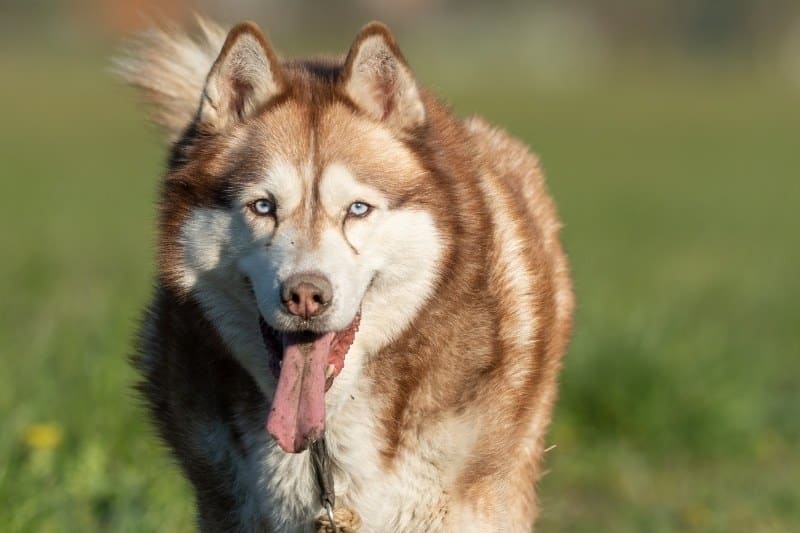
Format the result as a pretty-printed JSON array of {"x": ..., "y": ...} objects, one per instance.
[{"x": 340, "y": 256}]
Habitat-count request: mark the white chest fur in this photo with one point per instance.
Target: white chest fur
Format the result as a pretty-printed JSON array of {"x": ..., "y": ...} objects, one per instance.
[{"x": 412, "y": 496}]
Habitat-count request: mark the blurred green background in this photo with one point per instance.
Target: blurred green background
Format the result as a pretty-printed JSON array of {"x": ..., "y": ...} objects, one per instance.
[{"x": 670, "y": 131}]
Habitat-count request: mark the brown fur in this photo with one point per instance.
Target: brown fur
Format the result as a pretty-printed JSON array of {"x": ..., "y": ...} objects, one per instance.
[{"x": 460, "y": 356}]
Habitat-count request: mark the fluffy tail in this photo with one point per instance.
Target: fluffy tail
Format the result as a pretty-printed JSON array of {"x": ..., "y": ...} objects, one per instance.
[{"x": 169, "y": 65}]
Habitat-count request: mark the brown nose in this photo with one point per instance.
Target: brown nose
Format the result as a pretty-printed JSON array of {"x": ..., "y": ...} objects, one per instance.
[{"x": 306, "y": 295}]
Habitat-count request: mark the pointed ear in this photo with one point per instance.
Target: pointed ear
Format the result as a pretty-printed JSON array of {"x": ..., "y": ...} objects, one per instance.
[
  {"x": 377, "y": 79},
  {"x": 245, "y": 75}
]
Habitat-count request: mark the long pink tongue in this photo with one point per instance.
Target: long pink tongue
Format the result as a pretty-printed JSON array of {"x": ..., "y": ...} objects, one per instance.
[{"x": 297, "y": 416}]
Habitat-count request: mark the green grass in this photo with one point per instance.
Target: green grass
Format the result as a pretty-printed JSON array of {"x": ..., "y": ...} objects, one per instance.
[{"x": 680, "y": 398}]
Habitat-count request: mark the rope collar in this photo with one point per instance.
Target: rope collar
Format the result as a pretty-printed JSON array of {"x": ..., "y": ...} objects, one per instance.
[
  {"x": 321, "y": 463},
  {"x": 341, "y": 520}
]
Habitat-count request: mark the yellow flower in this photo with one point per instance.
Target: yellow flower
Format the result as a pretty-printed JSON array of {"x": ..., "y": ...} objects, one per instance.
[{"x": 43, "y": 436}]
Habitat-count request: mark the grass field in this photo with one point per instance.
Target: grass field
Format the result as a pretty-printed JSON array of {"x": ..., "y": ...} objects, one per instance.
[{"x": 680, "y": 403}]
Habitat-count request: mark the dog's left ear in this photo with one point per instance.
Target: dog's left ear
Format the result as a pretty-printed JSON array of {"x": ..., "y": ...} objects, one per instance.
[
  {"x": 377, "y": 79},
  {"x": 246, "y": 75}
]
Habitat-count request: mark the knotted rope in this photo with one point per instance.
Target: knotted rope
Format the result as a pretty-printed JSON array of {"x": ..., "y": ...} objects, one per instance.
[{"x": 334, "y": 520}]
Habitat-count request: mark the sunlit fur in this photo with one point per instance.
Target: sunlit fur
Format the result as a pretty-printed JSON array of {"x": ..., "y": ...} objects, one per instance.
[{"x": 438, "y": 418}]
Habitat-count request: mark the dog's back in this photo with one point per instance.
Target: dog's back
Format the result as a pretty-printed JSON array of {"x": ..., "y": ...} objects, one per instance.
[{"x": 436, "y": 420}]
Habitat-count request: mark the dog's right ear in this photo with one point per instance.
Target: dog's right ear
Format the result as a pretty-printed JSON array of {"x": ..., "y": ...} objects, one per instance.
[{"x": 246, "y": 75}]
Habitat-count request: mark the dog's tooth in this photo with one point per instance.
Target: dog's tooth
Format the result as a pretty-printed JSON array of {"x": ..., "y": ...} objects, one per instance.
[{"x": 329, "y": 371}]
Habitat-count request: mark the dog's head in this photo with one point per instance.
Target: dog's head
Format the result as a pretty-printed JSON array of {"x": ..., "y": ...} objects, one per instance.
[{"x": 297, "y": 213}]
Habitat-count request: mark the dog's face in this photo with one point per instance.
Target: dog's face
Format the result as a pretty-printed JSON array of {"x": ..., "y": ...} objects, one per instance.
[
  {"x": 297, "y": 215},
  {"x": 324, "y": 213}
]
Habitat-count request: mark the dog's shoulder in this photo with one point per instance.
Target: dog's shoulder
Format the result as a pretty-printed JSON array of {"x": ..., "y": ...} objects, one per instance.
[{"x": 205, "y": 406}]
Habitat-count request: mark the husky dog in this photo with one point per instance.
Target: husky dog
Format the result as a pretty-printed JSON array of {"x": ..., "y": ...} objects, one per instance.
[{"x": 341, "y": 258}]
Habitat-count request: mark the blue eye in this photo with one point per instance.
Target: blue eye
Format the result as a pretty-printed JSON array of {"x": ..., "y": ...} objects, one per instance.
[
  {"x": 263, "y": 207},
  {"x": 359, "y": 209}
]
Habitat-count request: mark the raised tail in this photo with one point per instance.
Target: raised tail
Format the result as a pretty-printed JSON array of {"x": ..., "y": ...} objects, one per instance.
[{"x": 169, "y": 65}]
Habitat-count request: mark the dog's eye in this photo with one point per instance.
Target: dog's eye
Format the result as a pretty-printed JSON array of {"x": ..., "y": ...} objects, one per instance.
[
  {"x": 359, "y": 209},
  {"x": 263, "y": 207}
]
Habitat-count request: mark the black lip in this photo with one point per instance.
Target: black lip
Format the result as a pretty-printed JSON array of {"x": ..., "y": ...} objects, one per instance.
[
  {"x": 274, "y": 339},
  {"x": 274, "y": 342}
]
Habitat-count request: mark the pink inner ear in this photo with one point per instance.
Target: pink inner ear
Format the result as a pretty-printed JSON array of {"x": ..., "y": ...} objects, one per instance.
[
  {"x": 384, "y": 91},
  {"x": 245, "y": 75},
  {"x": 380, "y": 73},
  {"x": 379, "y": 82},
  {"x": 242, "y": 90}
]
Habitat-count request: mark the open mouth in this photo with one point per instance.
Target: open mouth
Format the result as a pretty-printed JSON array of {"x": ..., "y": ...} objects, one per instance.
[{"x": 305, "y": 364}]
